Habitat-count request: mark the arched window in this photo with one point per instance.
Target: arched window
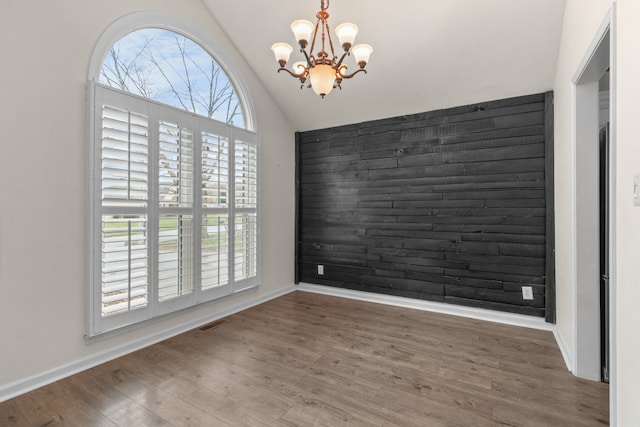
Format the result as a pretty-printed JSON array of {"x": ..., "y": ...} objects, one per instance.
[
  {"x": 172, "y": 69},
  {"x": 174, "y": 181}
]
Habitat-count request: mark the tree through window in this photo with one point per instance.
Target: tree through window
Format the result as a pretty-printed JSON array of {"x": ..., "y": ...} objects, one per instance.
[{"x": 167, "y": 67}]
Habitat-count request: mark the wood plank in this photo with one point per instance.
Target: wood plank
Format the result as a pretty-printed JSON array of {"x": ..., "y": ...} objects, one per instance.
[
  {"x": 331, "y": 166},
  {"x": 494, "y": 275},
  {"x": 414, "y": 204},
  {"x": 309, "y": 359},
  {"x": 491, "y": 228},
  {"x": 504, "y": 194},
  {"x": 102, "y": 396},
  {"x": 494, "y": 134},
  {"x": 489, "y": 143},
  {"x": 504, "y": 238},
  {"x": 496, "y": 181},
  {"x": 23, "y": 411},
  {"x": 493, "y": 259},
  {"x": 407, "y": 160},
  {"x": 493, "y": 295},
  {"x": 487, "y": 154},
  {"x": 490, "y": 212},
  {"x": 500, "y": 103},
  {"x": 504, "y": 166}
]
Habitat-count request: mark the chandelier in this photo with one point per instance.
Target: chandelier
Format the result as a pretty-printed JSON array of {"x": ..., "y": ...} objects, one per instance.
[{"x": 324, "y": 69}]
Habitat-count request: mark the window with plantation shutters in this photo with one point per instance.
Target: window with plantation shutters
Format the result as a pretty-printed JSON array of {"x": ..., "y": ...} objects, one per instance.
[{"x": 174, "y": 209}]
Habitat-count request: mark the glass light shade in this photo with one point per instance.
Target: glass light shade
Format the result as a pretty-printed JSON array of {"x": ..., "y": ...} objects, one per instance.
[
  {"x": 322, "y": 79},
  {"x": 282, "y": 51},
  {"x": 298, "y": 67},
  {"x": 302, "y": 30},
  {"x": 361, "y": 52},
  {"x": 346, "y": 33}
]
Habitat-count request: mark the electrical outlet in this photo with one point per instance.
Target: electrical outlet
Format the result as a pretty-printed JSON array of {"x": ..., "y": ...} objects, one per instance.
[
  {"x": 320, "y": 269},
  {"x": 527, "y": 292}
]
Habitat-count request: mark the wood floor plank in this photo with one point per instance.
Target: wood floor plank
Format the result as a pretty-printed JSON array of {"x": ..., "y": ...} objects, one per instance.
[
  {"x": 25, "y": 412},
  {"x": 110, "y": 402},
  {"x": 233, "y": 412},
  {"x": 313, "y": 360}
]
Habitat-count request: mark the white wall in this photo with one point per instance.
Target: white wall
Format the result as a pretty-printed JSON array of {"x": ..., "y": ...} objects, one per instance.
[
  {"x": 581, "y": 22},
  {"x": 47, "y": 47},
  {"x": 628, "y": 215}
]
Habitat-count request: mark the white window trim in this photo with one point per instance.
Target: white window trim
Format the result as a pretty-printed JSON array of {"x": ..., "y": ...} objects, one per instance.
[{"x": 111, "y": 35}]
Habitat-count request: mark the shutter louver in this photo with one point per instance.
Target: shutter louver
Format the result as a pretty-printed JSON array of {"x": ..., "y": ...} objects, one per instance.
[
  {"x": 215, "y": 251},
  {"x": 246, "y": 199},
  {"x": 246, "y": 175},
  {"x": 125, "y": 168},
  {"x": 215, "y": 171},
  {"x": 125, "y": 276},
  {"x": 175, "y": 256},
  {"x": 246, "y": 238},
  {"x": 175, "y": 170}
]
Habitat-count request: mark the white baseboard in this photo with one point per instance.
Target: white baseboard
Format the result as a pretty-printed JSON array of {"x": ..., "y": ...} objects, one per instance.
[
  {"x": 568, "y": 360},
  {"x": 436, "y": 307},
  {"x": 10, "y": 390}
]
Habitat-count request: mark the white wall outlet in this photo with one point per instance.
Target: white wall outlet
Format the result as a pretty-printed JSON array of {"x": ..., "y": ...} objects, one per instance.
[
  {"x": 527, "y": 292},
  {"x": 320, "y": 269},
  {"x": 636, "y": 190}
]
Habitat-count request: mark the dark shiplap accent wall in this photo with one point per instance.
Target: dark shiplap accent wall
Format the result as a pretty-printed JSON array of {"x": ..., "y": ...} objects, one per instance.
[{"x": 448, "y": 205}]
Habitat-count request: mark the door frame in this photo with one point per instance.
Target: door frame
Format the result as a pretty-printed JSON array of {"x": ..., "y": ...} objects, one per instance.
[{"x": 600, "y": 56}]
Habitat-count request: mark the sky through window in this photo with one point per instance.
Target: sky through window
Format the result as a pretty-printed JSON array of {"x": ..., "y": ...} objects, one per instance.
[{"x": 167, "y": 67}]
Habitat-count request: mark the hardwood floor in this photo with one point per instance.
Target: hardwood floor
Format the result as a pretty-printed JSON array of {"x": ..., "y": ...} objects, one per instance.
[{"x": 313, "y": 360}]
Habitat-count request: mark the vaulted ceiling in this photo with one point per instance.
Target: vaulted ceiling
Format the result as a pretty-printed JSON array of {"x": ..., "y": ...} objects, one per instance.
[{"x": 428, "y": 54}]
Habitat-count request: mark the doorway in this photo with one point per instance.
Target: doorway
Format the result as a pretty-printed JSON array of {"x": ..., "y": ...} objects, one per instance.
[{"x": 593, "y": 204}]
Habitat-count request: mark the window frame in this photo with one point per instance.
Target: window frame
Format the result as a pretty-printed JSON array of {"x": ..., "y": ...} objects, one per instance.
[{"x": 99, "y": 95}]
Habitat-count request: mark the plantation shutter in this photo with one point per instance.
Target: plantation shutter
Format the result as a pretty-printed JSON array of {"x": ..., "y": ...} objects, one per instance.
[
  {"x": 246, "y": 204},
  {"x": 215, "y": 169},
  {"x": 175, "y": 209},
  {"x": 121, "y": 228}
]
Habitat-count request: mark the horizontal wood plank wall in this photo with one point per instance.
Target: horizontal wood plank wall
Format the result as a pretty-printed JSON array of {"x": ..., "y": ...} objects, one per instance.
[{"x": 448, "y": 205}]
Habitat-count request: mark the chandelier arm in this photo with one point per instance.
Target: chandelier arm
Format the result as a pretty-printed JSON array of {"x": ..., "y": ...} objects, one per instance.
[
  {"x": 339, "y": 64},
  {"x": 306, "y": 55},
  {"x": 297, "y": 76},
  {"x": 348, "y": 76}
]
